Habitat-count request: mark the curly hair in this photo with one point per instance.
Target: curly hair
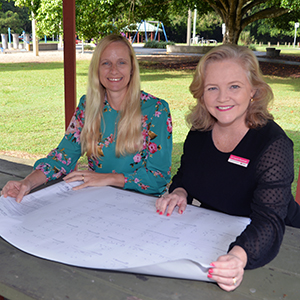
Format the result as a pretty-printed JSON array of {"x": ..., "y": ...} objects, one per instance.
[{"x": 257, "y": 115}]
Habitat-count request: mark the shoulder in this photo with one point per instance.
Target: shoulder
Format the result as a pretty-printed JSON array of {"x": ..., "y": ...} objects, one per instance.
[
  {"x": 149, "y": 102},
  {"x": 82, "y": 102},
  {"x": 270, "y": 133}
]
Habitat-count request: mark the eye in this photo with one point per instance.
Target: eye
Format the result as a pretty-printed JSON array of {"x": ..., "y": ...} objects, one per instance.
[
  {"x": 235, "y": 86},
  {"x": 212, "y": 88},
  {"x": 105, "y": 63},
  {"x": 122, "y": 62}
]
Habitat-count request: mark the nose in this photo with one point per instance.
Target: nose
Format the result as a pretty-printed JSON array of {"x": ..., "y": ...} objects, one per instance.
[{"x": 223, "y": 95}]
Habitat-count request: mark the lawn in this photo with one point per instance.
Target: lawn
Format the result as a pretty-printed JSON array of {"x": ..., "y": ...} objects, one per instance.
[{"x": 32, "y": 105}]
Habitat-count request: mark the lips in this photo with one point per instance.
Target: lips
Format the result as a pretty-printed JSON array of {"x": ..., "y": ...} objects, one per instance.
[
  {"x": 115, "y": 79},
  {"x": 224, "y": 108}
]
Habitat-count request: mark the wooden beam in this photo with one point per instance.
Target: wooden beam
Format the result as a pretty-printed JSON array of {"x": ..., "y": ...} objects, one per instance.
[{"x": 69, "y": 59}]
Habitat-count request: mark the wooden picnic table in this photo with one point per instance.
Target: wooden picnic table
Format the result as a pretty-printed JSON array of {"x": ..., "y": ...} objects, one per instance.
[{"x": 26, "y": 277}]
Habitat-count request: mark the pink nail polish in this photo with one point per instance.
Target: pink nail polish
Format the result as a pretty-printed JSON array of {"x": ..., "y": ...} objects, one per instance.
[
  {"x": 161, "y": 213},
  {"x": 157, "y": 211},
  {"x": 210, "y": 271},
  {"x": 209, "y": 276},
  {"x": 168, "y": 215},
  {"x": 212, "y": 265}
]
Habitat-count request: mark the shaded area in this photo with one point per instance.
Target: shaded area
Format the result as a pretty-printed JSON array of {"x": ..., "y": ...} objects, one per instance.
[{"x": 190, "y": 63}]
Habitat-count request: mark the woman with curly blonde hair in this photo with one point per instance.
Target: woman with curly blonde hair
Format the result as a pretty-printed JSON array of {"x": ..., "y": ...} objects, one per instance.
[
  {"x": 236, "y": 160},
  {"x": 126, "y": 133}
]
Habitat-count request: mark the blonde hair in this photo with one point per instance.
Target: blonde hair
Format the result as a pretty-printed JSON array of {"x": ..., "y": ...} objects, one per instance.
[
  {"x": 129, "y": 135},
  {"x": 257, "y": 115}
]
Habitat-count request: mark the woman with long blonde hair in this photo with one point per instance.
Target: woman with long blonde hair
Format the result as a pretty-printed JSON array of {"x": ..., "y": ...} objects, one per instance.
[{"x": 126, "y": 133}]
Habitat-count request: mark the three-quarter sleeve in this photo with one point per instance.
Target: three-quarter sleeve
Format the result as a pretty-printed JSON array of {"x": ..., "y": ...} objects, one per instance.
[
  {"x": 155, "y": 171},
  {"x": 263, "y": 236},
  {"x": 63, "y": 159}
]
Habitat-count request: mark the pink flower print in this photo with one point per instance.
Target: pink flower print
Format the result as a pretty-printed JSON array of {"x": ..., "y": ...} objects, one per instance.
[
  {"x": 72, "y": 126},
  {"x": 137, "y": 158},
  {"x": 77, "y": 136},
  {"x": 126, "y": 179},
  {"x": 145, "y": 96},
  {"x": 144, "y": 120},
  {"x": 58, "y": 156},
  {"x": 158, "y": 103},
  {"x": 110, "y": 138},
  {"x": 152, "y": 147},
  {"x": 157, "y": 113},
  {"x": 136, "y": 180},
  {"x": 144, "y": 187},
  {"x": 169, "y": 125}
]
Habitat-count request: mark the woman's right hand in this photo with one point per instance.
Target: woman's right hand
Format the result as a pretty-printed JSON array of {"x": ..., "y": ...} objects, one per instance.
[
  {"x": 167, "y": 203},
  {"x": 16, "y": 189}
]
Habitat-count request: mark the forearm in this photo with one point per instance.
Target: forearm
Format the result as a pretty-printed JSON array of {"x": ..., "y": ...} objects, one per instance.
[{"x": 35, "y": 179}]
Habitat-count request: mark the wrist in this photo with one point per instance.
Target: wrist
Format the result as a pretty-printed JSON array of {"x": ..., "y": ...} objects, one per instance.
[{"x": 240, "y": 253}]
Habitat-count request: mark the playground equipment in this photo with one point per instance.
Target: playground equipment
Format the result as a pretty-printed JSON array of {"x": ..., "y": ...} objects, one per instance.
[{"x": 145, "y": 28}]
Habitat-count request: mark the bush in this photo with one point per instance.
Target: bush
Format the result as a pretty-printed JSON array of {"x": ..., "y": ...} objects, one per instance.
[{"x": 156, "y": 44}]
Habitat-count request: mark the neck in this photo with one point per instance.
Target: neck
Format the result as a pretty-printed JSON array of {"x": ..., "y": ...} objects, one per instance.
[{"x": 115, "y": 99}]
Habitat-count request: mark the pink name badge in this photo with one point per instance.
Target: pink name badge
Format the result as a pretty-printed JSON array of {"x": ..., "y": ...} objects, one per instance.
[{"x": 238, "y": 160}]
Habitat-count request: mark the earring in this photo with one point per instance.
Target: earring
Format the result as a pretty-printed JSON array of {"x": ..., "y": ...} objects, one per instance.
[{"x": 251, "y": 100}]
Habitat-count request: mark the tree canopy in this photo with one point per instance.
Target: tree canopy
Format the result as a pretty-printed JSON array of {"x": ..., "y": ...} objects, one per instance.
[
  {"x": 96, "y": 18},
  {"x": 237, "y": 14}
]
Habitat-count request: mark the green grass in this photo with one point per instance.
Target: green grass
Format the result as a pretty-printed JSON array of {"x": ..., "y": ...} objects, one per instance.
[{"x": 32, "y": 105}]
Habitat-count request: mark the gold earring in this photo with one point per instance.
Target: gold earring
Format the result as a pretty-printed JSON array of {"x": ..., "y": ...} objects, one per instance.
[{"x": 251, "y": 100}]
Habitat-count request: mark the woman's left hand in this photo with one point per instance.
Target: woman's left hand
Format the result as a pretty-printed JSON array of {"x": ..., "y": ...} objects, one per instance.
[
  {"x": 91, "y": 178},
  {"x": 228, "y": 270}
]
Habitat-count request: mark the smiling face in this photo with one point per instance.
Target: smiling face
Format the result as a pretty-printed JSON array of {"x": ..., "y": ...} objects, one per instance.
[
  {"x": 227, "y": 92},
  {"x": 115, "y": 69}
]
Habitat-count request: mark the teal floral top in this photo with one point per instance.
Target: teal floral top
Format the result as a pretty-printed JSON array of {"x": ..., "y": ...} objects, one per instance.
[{"x": 147, "y": 171}]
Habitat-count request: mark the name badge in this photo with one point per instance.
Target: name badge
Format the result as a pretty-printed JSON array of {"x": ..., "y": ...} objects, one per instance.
[{"x": 238, "y": 160}]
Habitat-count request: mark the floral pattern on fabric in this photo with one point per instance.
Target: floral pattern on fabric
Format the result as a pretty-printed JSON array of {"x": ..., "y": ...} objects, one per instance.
[{"x": 146, "y": 171}]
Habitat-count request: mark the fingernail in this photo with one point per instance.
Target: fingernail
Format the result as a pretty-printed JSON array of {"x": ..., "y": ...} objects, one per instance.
[
  {"x": 168, "y": 215},
  {"x": 209, "y": 276},
  {"x": 157, "y": 211},
  {"x": 212, "y": 265},
  {"x": 161, "y": 213},
  {"x": 210, "y": 271},
  {"x": 180, "y": 211}
]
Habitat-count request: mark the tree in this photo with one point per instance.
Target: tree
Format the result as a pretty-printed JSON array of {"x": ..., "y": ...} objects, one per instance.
[
  {"x": 237, "y": 14},
  {"x": 94, "y": 18},
  {"x": 17, "y": 20}
]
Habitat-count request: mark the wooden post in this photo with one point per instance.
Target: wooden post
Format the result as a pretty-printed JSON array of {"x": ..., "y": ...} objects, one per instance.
[{"x": 69, "y": 59}]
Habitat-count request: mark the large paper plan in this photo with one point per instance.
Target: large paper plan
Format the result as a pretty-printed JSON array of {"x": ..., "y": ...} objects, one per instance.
[{"x": 110, "y": 228}]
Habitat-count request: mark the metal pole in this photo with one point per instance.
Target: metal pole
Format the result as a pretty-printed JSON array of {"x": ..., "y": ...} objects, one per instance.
[
  {"x": 296, "y": 26},
  {"x": 188, "y": 37},
  {"x": 194, "y": 25}
]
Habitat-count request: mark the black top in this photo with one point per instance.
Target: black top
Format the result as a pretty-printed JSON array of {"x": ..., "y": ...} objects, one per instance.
[{"x": 254, "y": 180}]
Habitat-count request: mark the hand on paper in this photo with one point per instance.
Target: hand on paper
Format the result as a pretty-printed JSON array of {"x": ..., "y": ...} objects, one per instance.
[
  {"x": 18, "y": 189},
  {"x": 228, "y": 270},
  {"x": 167, "y": 203},
  {"x": 91, "y": 178}
]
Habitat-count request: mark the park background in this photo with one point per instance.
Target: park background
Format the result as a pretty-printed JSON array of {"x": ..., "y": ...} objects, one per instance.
[{"x": 31, "y": 94}]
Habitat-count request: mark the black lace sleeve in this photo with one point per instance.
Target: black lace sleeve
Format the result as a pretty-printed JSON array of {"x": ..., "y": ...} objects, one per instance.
[{"x": 275, "y": 172}]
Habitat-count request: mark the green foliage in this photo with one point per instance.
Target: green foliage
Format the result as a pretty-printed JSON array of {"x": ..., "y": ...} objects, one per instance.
[
  {"x": 156, "y": 44},
  {"x": 18, "y": 19},
  {"x": 49, "y": 18},
  {"x": 10, "y": 20}
]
